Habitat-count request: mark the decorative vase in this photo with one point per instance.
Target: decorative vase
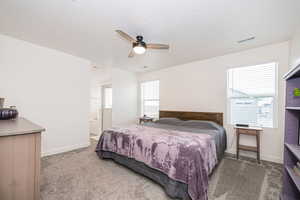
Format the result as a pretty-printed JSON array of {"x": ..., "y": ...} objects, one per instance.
[{"x": 8, "y": 113}]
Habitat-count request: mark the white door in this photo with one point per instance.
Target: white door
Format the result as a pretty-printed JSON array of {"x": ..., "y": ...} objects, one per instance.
[{"x": 106, "y": 107}]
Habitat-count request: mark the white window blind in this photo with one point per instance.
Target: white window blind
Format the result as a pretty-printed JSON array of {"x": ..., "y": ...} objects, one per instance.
[
  {"x": 150, "y": 98},
  {"x": 251, "y": 93}
]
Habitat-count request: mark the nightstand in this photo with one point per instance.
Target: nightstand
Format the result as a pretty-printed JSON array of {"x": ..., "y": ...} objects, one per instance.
[
  {"x": 253, "y": 131},
  {"x": 145, "y": 119}
]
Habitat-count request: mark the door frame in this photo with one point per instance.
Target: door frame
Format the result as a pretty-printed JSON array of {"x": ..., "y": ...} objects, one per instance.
[{"x": 103, "y": 102}]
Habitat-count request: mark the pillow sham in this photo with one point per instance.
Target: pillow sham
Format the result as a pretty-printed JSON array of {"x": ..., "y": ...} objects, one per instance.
[
  {"x": 202, "y": 124},
  {"x": 169, "y": 120}
]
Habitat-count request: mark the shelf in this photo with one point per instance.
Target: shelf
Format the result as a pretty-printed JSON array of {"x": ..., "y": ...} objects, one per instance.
[
  {"x": 283, "y": 197},
  {"x": 294, "y": 72},
  {"x": 248, "y": 148},
  {"x": 286, "y": 197},
  {"x": 292, "y": 108},
  {"x": 295, "y": 149},
  {"x": 294, "y": 177}
]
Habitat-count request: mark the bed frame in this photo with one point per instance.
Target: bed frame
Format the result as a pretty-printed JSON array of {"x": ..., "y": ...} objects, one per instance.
[
  {"x": 173, "y": 188},
  {"x": 209, "y": 116}
]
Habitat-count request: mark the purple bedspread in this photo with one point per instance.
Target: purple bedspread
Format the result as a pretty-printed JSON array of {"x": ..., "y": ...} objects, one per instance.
[{"x": 182, "y": 156}]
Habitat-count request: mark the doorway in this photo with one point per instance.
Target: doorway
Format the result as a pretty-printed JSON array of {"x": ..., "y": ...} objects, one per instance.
[
  {"x": 95, "y": 121},
  {"x": 106, "y": 107}
]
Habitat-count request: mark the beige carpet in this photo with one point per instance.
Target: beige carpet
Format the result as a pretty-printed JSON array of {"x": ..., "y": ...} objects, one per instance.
[{"x": 81, "y": 175}]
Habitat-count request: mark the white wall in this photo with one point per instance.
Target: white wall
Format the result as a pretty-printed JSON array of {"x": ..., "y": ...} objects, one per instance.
[
  {"x": 295, "y": 49},
  {"x": 124, "y": 107},
  {"x": 50, "y": 88},
  {"x": 201, "y": 86}
]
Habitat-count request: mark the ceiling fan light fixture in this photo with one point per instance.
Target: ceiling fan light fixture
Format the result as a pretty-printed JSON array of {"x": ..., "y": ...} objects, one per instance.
[
  {"x": 139, "y": 49},
  {"x": 138, "y": 45}
]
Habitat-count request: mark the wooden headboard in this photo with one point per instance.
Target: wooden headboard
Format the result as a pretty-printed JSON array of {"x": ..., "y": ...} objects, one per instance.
[{"x": 209, "y": 116}]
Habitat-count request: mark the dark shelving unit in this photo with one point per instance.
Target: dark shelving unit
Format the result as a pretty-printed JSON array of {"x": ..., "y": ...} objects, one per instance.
[
  {"x": 292, "y": 108},
  {"x": 291, "y": 181}
]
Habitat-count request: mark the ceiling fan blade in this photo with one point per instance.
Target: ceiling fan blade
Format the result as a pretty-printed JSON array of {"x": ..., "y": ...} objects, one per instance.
[
  {"x": 158, "y": 46},
  {"x": 125, "y": 36},
  {"x": 131, "y": 54}
]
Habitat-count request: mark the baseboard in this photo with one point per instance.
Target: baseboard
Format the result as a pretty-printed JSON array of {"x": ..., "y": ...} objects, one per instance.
[
  {"x": 65, "y": 149},
  {"x": 78, "y": 146},
  {"x": 263, "y": 157}
]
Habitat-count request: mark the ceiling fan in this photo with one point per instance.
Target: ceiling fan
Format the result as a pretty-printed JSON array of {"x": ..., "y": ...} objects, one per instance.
[{"x": 138, "y": 45}]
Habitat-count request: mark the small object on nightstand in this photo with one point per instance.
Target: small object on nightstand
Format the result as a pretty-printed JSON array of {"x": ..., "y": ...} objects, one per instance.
[
  {"x": 253, "y": 131},
  {"x": 145, "y": 119},
  {"x": 242, "y": 125}
]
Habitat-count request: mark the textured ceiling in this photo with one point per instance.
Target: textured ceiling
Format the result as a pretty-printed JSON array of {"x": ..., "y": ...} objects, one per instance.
[{"x": 195, "y": 29}]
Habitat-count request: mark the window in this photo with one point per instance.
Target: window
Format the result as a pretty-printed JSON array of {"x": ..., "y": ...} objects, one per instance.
[
  {"x": 252, "y": 95},
  {"x": 150, "y": 98},
  {"x": 107, "y": 97}
]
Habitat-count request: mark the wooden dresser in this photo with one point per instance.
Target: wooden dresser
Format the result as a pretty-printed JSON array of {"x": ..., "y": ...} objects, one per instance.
[{"x": 20, "y": 153}]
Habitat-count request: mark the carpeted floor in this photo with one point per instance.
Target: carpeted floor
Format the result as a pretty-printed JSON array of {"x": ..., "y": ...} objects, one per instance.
[{"x": 81, "y": 175}]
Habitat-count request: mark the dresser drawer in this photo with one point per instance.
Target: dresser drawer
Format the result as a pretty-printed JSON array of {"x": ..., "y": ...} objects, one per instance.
[
  {"x": 247, "y": 131},
  {"x": 20, "y": 171}
]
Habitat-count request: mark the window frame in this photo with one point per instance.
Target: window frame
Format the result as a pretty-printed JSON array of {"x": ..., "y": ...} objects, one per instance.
[
  {"x": 142, "y": 100},
  {"x": 275, "y": 97}
]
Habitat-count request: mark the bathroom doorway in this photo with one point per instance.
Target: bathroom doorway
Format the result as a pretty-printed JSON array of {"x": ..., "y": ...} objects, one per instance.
[{"x": 106, "y": 107}]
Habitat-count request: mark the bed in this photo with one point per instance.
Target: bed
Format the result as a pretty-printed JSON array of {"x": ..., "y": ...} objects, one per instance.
[{"x": 179, "y": 151}]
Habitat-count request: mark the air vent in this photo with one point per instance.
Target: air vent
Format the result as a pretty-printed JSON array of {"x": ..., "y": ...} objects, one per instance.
[{"x": 246, "y": 40}]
